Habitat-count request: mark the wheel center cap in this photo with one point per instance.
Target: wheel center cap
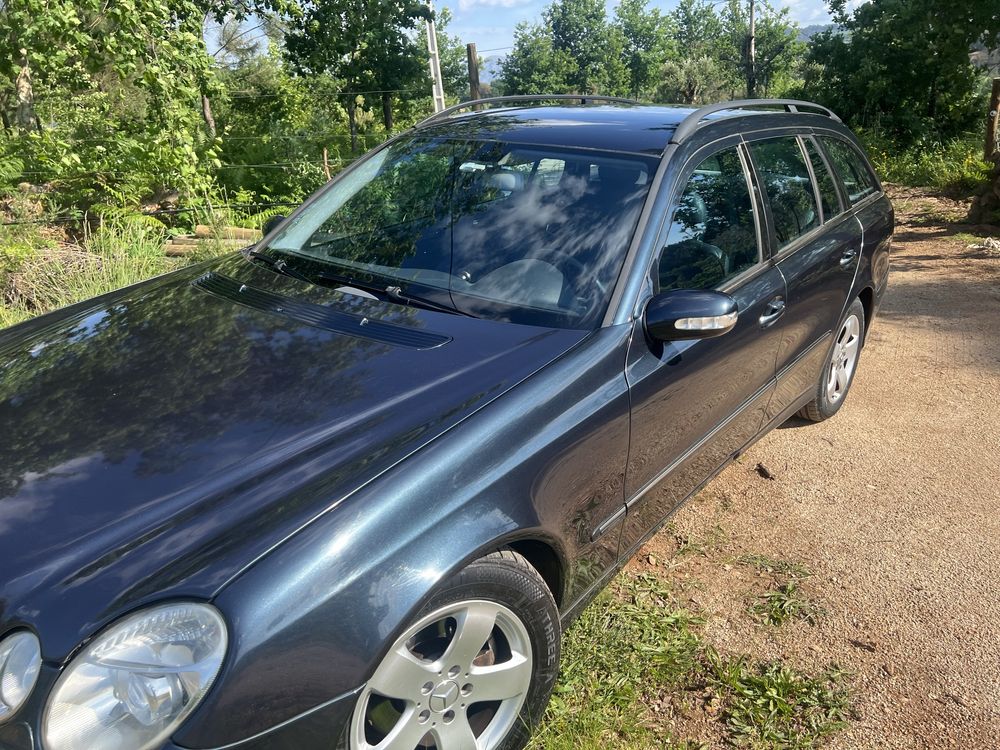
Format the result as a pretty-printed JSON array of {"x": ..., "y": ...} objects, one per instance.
[{"x": 444, "y": 696}]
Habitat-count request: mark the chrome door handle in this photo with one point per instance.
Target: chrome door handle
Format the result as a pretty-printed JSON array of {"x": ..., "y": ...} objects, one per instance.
[
  {"x": 774, "y": 310},
  {"x": 848, "y": 257}
]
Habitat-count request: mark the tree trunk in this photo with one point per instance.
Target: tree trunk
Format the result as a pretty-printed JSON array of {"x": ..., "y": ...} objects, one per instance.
[
  {"x": 24, "y": 114},
  {"x": 352, "y": 119},
  {"x": 387, "y": 111},
  {"x": 206, "y": 113}
]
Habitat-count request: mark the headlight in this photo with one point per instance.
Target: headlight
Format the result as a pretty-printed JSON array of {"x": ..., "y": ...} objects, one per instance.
[
  {"x": 20, "y": 660},
  {"x": 135, "y": 683}
]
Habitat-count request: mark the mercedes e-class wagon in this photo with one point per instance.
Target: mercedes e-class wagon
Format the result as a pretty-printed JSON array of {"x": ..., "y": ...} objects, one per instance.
[{"x": 345, "y": 488}]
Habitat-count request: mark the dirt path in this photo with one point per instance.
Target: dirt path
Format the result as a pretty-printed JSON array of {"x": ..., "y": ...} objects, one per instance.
[{"x": 893, "y": 505}]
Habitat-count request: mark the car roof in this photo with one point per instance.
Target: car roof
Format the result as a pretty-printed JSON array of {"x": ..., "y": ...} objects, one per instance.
[{"x": 642, "y": 129}]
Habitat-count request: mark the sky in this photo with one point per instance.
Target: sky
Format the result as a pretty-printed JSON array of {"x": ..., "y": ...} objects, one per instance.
[{"x": 490, "y": 23}]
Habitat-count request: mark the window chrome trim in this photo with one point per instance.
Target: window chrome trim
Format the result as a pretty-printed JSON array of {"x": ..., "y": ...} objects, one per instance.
[{"x": 842, "y": 202}]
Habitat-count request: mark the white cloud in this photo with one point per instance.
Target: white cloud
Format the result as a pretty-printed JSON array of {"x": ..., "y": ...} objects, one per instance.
[{"x": 469, "y": 4}]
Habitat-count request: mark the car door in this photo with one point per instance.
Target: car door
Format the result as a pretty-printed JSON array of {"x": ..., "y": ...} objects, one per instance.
[
  {"x": 816, "y": 247},
  {"x": 697, "y": 402}
]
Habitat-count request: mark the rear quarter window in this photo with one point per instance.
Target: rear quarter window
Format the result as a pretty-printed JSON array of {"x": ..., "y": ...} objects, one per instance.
[{"x": 852, "y": 169}]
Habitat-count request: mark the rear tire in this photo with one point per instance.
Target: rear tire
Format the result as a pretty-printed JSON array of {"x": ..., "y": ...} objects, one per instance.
[
  {"x": 475, "y": 667},
  {"x": 841, "y": 365}
]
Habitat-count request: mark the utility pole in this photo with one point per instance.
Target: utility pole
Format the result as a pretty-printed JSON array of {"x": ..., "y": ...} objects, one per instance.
[
  {"x": 432, "y": 49},
  {"x": 752, "y": 54},
  {"x": 470, "y": 50}
]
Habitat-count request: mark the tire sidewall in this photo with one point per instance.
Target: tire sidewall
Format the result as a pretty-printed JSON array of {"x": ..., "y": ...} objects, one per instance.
[{"x": 827, "y": 408}]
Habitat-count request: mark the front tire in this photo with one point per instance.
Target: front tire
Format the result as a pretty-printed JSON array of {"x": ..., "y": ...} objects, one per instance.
[
  {"x": 838, "y": 374},
  {"x": 472, "y": 671}
]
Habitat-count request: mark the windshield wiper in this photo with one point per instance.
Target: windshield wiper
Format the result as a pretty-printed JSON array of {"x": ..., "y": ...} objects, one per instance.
[
  {"x": 278, "y": 264},
  {"x": 394, "y": 293}
]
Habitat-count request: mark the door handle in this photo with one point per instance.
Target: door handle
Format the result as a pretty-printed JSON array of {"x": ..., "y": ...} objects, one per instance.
[
  {"x": 848, "y": 257},
  {"x": 774, "y": 310}
]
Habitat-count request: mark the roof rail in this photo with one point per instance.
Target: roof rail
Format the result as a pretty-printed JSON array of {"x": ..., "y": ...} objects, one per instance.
[
  {"x": 691, "y": 123},
  {"x": 582, "y": 98}
]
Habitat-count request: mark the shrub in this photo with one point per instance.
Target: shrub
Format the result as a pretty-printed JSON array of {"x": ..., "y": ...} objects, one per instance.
[{"x": 956, "y": 165}]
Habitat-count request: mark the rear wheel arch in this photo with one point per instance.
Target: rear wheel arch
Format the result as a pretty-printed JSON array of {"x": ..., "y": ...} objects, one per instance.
[{"x": 867, "y": 297}]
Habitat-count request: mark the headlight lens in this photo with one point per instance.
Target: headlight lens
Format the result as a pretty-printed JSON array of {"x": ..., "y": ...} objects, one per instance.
[
  {"x": 134, "y": 685},
  {"x": 20, "y": 660}
]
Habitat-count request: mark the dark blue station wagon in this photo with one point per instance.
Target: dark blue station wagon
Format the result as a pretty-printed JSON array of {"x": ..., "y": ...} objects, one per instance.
[{"x": 345, "y": 488}]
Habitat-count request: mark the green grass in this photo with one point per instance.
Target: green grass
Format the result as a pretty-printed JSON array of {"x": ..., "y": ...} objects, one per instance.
[
  {"x": 770, "y": 706},
  {"x": 634, "y": 648},
  {"x": 956, "y": 165},
  {"x": 38, "y": 274},
  {"x": 784, "y": 603},
  {"x": 774, "y": 565}
]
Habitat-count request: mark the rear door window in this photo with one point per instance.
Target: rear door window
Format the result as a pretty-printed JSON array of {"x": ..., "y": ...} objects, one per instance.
[
  {"x": 828, "y": 197},
  {"x": 781, "y": 167},
  {"x": 852, "y": 169},
  {"x": 713, "y": 235}
]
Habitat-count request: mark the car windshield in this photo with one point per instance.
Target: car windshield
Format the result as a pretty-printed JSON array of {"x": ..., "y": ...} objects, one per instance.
[{"x": 526, "y": 234}]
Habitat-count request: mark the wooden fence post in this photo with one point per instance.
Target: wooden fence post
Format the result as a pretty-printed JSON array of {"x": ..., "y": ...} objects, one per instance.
[
  {"x": 993, "y": 121},
  {"x": 473, "y": 56}
]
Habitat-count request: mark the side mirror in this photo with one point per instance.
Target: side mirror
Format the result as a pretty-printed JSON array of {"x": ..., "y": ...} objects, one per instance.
[
  {"x": 688, "y": 314},
  {"x": 271, "y": 224}
]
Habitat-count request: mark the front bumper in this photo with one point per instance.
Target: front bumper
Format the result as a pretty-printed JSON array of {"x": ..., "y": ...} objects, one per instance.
[{"x": 320, "y": 728}]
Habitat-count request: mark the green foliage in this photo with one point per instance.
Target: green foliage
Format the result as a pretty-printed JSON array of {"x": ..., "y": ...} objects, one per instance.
[
  {"x": 955, "y": 165},
  {"x": 114, "y": 90},
  {"x": 273, "y": 128},
  {"x": 784, "y": 603},
  {"x": 647, "y": 40},
  {"x": 773, "y": 707},
  {"x": 901, "y": 68},
  {"x": 777, "y": 47},
  {"x": 367, "y": 45}
]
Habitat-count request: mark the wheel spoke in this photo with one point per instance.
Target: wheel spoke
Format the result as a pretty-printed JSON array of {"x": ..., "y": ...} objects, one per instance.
[
  {"x": 841, "y": 379},
  {"x": 400, "y": 675},
  {"x": 456, "y": 735},
  {"x": 475, "y": 625},
  {"x": 404, "y": 736},
  {"x": 851, "y": 347},
  {"x": 501, "y": 681}
]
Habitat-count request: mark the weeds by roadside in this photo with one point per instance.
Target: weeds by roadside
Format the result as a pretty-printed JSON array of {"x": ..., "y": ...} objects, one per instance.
[
  {"x": 634, "y": 662},
  {"x": 786, "y": 600}
]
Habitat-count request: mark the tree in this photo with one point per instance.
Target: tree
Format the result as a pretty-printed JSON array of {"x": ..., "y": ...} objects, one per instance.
[
  {"x": 693, "y": 80},
  {"x": 777, "y": 45},
  {"x": 581, "y": 32},
  {"x": 697, "y": 75},
  {"x": 368, "y": 44},
  {"x": 534, "y": 65},
  {"x": 902, "y": 66},
  {"x": 647, "y": 42}
]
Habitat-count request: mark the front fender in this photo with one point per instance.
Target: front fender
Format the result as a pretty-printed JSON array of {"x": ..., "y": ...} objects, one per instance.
[{"x": 310, "y": 620}]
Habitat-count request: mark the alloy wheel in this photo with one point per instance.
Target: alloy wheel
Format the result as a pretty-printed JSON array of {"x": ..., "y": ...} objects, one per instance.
[
  {"x": 456, "y": 680},
  {"x": 845, "y": 357}
]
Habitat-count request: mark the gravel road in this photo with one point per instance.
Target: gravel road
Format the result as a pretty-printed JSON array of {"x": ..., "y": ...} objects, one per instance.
[{"x": 893, "y": 505}]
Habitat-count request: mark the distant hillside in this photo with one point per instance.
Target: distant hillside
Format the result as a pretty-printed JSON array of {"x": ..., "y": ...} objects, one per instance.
[{"x": 808, "y": 32}]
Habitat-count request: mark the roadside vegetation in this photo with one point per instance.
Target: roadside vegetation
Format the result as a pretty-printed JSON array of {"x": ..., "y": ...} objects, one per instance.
[
  {"x": 638, "y": 673},
  {"x": 137, "y": 120}
]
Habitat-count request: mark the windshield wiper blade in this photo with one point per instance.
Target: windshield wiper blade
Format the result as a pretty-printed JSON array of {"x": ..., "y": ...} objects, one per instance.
[
  {"x": 394, "y": 293},
  {"x": 278, "y": 264}
]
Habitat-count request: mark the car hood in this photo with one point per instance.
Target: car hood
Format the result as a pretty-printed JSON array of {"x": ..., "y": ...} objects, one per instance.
[{"x": 158, "y": 439}]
